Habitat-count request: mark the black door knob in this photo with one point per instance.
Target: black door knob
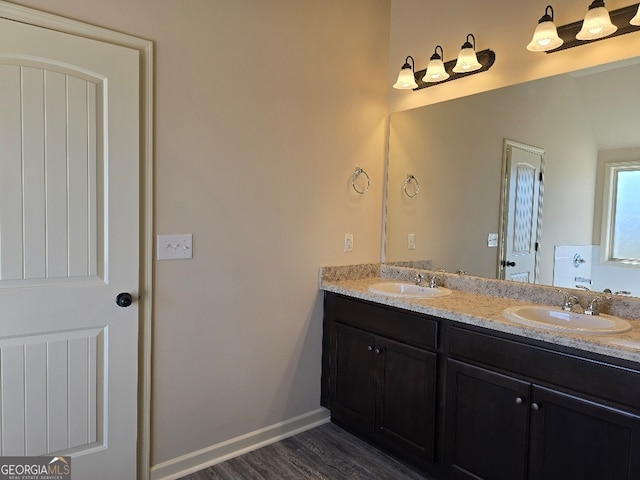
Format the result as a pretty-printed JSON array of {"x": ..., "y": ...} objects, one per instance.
[
  {"x": 124, "y": 299},
  {"x": 506, "y": 263}
]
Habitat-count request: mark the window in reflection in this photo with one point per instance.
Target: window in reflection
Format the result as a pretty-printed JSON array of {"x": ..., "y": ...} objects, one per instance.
[{"x": 622, "y": 213}]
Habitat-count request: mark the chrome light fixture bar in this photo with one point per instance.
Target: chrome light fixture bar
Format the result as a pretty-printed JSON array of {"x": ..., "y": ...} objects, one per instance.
[{"x": 626, "y": 20}]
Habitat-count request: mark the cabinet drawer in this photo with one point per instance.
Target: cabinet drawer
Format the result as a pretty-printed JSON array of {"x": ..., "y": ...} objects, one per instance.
[
  {"x": 412, "y": 329},
  {"x": 617, "y": 384}
]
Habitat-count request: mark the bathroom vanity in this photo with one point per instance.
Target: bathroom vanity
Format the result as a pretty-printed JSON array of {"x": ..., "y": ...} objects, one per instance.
[{"x": 464, "y": 394}]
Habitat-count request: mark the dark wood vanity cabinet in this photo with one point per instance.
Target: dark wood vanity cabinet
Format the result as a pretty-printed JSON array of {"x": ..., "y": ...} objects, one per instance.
[
  {"x": 505, "y": 421},
  {"x": 383, "y": 376},
  {"x": 465, "y": 402}
]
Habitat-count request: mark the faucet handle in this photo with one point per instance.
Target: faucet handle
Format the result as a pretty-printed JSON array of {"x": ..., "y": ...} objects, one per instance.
[{"x": 418, "y": 278}]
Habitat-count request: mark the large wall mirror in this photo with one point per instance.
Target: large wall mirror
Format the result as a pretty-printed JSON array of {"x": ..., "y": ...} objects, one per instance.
[{"x": 454, "y": 150}]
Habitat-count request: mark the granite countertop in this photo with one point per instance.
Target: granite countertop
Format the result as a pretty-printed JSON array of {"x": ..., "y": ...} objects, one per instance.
[{"x": 485, "y": 310}]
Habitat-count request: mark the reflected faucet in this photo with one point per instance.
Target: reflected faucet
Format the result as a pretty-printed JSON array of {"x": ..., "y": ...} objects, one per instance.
[
  {"x": 594, "y": 304},
  {"x": 571, "y": 303},
  {"x": 620, "y": 292},
  {"x": 433, "y": 283}
]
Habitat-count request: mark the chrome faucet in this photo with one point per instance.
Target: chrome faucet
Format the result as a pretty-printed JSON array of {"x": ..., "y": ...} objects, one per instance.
[{"x": 418, "y": 279}]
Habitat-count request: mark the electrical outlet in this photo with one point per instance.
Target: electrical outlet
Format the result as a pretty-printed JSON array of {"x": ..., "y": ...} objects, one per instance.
[
  {"x": 348, "y": 242},
  {"x": 174, "y": 247},
  {"x": 411, "y": 241}
]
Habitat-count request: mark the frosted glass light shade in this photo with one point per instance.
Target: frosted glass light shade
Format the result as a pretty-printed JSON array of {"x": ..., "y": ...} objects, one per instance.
[
  {"x": 435, "y": 71},
  {"x": 467, "y": 61},
  {"x": 406, "y": 79},
  {"x": 636, "y": 19},
  {"x": 545, "y": 38},
  {"x": 596, "y": 24}
]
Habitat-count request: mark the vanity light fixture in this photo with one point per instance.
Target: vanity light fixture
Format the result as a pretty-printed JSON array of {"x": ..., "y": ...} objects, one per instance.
[
  {"x": 435, "y": 69},
  {"x": 636, "y": 19},
  {"x": 406, "y": 77},
  {"x": 622, "y": 21},
  {"x": 545, "y": 36},
  {"x": 473, "y": 63},
  {"x": 597, "y": 22},
  {"x": 467, "y": 60}
]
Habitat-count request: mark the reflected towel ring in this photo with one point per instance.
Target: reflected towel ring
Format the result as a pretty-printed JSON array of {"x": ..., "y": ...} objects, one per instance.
[
  {"x": 409, "y": 179},
  {"x": 356, "y": 174}
]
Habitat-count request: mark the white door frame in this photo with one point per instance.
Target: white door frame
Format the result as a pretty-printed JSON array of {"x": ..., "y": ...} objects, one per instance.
[{"x": 145, "y": 48}]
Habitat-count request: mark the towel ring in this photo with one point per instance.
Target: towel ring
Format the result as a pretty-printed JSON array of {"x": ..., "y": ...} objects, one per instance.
[
  {"x": 416, "y": 190},
  {"x": 355, "y": 175}
]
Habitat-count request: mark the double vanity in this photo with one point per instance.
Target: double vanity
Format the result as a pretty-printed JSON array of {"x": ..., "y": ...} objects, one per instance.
[{"x": 481, "y": 379}]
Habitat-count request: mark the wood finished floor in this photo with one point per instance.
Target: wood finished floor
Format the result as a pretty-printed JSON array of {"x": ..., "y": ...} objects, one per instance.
[{"x": 324, "y": 453}]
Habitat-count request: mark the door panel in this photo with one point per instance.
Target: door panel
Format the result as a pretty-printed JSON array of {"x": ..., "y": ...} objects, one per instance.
[
  {"x": 49, "y": 195},
  {"x": 353, "y": 377},
  {"x": 69, "y": 241},
  {"x": 576, "y": 438},
  {"x": 406, "y": 394},
  {"x": 487, "y": 424},
  {"x": 50, "y": 384}
]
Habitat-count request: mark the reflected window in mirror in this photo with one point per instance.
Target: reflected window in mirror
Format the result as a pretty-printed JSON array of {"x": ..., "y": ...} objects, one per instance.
[{"x": 621, "y": 215}]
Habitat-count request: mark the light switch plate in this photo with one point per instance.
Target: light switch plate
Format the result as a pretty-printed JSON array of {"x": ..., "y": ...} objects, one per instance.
[
  {"x": 174, "y": 247},
  {"x": 348, "y": 242},
  {"x": 411, "y": 241},
  {"x": 492, "y": 240}
]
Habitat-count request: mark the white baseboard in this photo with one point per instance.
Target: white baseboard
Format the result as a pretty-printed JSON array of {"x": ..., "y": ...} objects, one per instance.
[{"x": 192, "y": 462}]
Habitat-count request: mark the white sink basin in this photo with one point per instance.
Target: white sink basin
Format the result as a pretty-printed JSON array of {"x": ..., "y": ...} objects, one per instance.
[
  {"x": 552, "y": 318},
  {"x": 408, "y": 290}
]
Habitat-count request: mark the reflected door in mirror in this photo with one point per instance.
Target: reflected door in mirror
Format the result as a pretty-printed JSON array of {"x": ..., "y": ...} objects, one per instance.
[{"x": 522, "y": 212}]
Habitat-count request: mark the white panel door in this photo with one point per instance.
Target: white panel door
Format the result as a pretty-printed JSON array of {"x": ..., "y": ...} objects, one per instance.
[
  {"x": 69, "y": 244},
  {"x": 522, "y": 207}
]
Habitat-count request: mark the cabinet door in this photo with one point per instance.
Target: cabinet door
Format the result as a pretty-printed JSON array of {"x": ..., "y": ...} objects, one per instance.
[
  {"x": 405, "y": 398},
  {"x": 352, "y": 377},
  {"x": 486, "y": 424},
  {"x": 576, "y": 438}
]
